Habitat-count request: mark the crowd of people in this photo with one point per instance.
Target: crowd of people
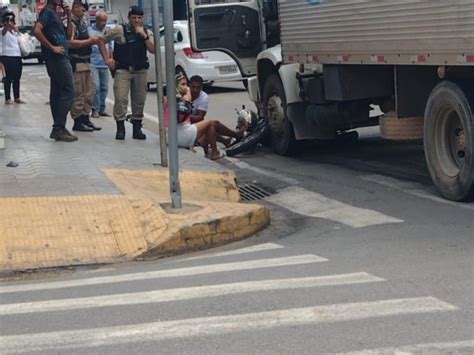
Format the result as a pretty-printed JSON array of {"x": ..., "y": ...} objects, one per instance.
[{"x": 79, "y": 59}]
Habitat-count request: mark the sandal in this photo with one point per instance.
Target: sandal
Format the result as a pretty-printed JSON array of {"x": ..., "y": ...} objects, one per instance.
[
  {"x": 8, "y": 102},
  {"x": 19, "y": 101},
  {"x": 227, "y": 142},
  {"x": 217, "y": 155}
]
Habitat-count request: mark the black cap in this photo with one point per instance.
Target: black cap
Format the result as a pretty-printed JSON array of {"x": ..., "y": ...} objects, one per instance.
[
  {"x": 82, "y": 3},
  {"x": 135, "y": 11}
]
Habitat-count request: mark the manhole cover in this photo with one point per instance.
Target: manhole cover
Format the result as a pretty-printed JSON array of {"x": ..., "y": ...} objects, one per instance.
[{"x": 253, "y": 192}]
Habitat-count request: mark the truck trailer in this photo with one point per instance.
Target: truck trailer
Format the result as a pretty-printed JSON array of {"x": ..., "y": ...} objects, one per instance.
[{"x": 316, "y": 67}]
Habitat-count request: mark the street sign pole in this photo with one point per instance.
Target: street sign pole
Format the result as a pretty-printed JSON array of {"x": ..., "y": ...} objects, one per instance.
[
  {"x": 175, "y": 189},
  {"x": 155, "y": 12}
]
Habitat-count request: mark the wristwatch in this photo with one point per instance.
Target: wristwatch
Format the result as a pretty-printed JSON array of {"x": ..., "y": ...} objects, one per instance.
[{"x": 147, "y": 37}]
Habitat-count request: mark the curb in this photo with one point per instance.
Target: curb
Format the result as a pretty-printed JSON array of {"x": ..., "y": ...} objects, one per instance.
[
  {"x": 211, "y": 233},
  {"x": 61, "y": 231}
]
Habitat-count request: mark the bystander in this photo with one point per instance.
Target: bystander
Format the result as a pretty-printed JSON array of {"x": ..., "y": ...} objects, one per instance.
[
  {"x": 130, "y": 64},
  {"x": 80, "y": 55},
  {"x": 11, "y": 58},
  {"x": 50, "y": 31},
  {"x": 100, "y": 71}
]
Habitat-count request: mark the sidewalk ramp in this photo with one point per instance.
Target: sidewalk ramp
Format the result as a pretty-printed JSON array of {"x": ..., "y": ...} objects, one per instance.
[{"x": 56, "y": 231}]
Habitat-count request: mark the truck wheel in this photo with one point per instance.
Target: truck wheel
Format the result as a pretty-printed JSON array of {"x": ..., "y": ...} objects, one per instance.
[
  {"x": 449, "y": 138},
  {"x": 281, "y": 130}
]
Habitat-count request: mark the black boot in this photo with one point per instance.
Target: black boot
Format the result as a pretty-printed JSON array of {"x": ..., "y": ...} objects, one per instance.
[
  {"x": 79, "y": 125},
  {"x": 120, "y": 135},
  {"x": 137, "y": 130},
  {"x": 88, "y": 123}
]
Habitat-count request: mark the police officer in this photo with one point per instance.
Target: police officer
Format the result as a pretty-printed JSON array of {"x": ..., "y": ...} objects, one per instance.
[
  {"x": 129, "y": 65},
  {"x": 80, "y": 55}
]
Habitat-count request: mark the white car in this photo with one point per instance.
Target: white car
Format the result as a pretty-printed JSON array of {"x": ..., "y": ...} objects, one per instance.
[{"x": 212, "y": 66}]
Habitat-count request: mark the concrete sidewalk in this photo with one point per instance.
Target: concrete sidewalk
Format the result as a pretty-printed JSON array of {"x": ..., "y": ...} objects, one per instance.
[{"x": 99, "y": 200}]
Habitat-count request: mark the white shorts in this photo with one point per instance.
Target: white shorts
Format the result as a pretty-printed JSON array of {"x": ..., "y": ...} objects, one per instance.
[{"x": 187, "y": 134}]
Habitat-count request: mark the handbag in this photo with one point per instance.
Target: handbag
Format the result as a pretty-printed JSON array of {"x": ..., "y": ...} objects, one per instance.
[{"x": 25, "y": 45}]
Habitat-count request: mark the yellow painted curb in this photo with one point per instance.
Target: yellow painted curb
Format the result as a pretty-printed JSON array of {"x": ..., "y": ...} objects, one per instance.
[{"x": 43, "y": 232}]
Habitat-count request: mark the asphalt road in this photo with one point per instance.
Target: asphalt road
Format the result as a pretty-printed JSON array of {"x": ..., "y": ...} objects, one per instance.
[{"x": 361, "y": 255}]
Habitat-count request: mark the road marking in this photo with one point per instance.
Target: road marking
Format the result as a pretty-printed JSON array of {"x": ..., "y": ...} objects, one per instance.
[
  {"x": 206, "y": 326},
  {"x": 312, "y": 204},
  {"x": 146, "y": 115},
  {"x": 413, "y": 189},
  {"x": 251, "y": 249},
  {"x": 430, "y": 348},
  {"x": 276, "y": 176},
  {"x": 105, "y": 269},
  {"x": 187, "y": 293},
  {"x": 188, "y": 271},
  {"x": 36, "y": 73}
]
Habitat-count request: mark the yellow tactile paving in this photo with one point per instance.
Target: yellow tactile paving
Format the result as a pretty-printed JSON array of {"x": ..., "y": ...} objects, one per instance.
[
  {"x": 42, "y": 231},
  {"x": 195, "y": 185},
  {"x": 39, "y": 232}
]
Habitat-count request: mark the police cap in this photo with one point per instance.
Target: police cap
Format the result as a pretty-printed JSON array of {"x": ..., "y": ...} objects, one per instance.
[{"x": 135, "y": 11}]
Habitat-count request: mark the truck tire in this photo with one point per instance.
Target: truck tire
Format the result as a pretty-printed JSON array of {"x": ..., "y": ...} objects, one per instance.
[
  {"x": 449, "y": 139},
  {"x": 281, "y": 130},
  {"x": 401, "y": 129}
]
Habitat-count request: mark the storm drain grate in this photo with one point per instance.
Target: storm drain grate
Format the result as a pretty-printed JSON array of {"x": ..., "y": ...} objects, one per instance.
[{"x": 253, "y": 192}]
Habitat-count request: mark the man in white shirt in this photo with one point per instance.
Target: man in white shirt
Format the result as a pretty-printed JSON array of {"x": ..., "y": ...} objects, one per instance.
[{"x": 200, "y": 99}]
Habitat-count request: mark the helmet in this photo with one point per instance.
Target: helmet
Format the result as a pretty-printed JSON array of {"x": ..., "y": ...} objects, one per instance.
[
  {"x": 8, "y": 16},
  {"x": 183, "y": 110},
  {"x": 245, "y": 117}
]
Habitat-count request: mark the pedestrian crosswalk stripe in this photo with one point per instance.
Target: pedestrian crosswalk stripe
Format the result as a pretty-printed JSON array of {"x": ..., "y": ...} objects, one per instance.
[
  {"x": 206, "y": 326},
  {"x": 187, "y": 293},
  {"x": 187, "y": 271},
  {"x": 312, "y": 204},
  {"x": 464, "y": 347},
  {"x": 251, "y": 249}
]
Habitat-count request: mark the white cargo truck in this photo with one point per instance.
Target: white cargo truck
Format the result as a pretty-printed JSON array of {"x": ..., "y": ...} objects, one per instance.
[{"x": 316, "y": 66}]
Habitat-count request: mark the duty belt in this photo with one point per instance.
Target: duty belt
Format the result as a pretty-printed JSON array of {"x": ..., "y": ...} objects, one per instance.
[
  {"x": 130, "y": 68},
  {"x": 80, "y": 60}
]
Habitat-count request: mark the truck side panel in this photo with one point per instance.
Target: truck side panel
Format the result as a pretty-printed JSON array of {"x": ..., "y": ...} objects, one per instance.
[{"x": 378, "y": 32}]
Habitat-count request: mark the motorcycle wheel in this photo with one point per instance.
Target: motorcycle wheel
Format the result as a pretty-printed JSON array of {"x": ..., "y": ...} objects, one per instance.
[{"x": 257, "y": 135}]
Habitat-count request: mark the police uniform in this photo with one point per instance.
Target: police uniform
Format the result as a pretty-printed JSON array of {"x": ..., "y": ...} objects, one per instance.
[
  {"x": 130, "y": 76},
  {"x": 80, "y": 61}
]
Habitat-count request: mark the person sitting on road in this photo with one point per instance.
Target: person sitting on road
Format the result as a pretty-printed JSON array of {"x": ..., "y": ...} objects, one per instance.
[
  {"x": 205, "y": 131},
  {"x": 200, "y": 101}
]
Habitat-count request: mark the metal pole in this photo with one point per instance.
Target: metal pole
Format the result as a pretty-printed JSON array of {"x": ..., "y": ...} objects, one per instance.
[
  {"x": 155, "y": 13},
  {"x": 175, "y": 189}
]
